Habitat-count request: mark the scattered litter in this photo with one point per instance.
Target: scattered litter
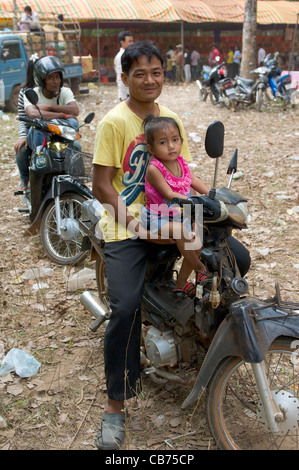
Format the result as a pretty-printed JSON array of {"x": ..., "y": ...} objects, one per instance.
[
  {"x": 263, "y": 252},
  {"x": 37, "y": 273},
  {"x": 40, "y": 285},
  {"x": 280, "y": 222},
  {"x": 195, "y": 137},
  {"x": 177, "y": 437},
  {"x": 17, "y": 360},
  {"x": 237, "y": 175},
  {"x": 3, "y": 423},
  {"x": 81, "y": 279}
]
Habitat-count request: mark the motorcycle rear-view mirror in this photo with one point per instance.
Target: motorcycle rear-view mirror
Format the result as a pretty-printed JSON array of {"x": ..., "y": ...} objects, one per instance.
[
  {"x": 214, "y": 140},
  {"x": 31, "y": 95},
  {"x": 89, "y": 118},
  {"x": 232, "y": 167}
]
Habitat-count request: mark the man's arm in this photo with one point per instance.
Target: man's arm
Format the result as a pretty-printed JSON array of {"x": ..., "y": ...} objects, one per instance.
[
  {"x": 54, "y": 111},
  {"x": 104, "y": 191}
]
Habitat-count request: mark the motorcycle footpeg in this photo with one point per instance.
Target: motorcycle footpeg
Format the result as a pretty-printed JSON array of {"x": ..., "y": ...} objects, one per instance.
[
  {"x": 26, "y": 211},
  {"x": 19, "y": 192}
]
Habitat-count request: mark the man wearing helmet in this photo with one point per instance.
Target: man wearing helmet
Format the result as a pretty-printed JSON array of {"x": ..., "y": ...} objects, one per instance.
[{"x": 54, "y": 100}]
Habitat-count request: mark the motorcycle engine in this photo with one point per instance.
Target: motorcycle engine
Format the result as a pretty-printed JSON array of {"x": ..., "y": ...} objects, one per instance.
[
  {"x": 160, "y": 348},
  {"x": 168, "y": 348}
]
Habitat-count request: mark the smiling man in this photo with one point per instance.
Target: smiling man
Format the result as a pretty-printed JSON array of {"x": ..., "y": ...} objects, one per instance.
[{"x": 120, "y": 162}]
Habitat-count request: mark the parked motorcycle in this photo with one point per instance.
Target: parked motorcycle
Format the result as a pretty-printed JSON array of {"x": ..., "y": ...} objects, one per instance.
[
  {"x": 240, "y": 350},
  {"x": 214, "y": 84},
  {"x": 58, "y": 172},
  {"x": 250, "y": 92},
  {"x": 281, "y": 85}
]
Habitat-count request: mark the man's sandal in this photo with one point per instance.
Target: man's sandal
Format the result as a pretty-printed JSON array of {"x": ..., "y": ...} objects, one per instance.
[
  {"x": 188, "y": 289},
  {"x": 111, "y": 433}
]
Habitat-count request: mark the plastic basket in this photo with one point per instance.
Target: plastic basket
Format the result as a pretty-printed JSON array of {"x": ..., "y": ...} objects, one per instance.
[{"x": 78, "y": 163}]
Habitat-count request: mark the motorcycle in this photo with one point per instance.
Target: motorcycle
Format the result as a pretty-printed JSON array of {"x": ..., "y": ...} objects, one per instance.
[
  {"x": 58, "y": 171},
  {"x": 251, "y": 92},
  {"x": 241, "y": 351},
  {"x": 214, "y": 84},
  {"x": 280, "y": 85}
]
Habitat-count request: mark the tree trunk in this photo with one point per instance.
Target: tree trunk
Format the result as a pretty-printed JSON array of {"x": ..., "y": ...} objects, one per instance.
[{"x": 249, "y": 39}]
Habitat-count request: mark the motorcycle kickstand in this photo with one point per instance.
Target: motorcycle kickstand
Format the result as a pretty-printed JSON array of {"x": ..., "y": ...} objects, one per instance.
[{"x": 272, "y": 411}]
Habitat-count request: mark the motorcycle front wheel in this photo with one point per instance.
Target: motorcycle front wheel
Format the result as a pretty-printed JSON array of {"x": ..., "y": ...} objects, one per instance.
[
  {"x": 234, "y": 410},
  {"x": 261, "y": 99},
  {"x": 64, "y": 249},
  {"x": 203, "y": 94}
]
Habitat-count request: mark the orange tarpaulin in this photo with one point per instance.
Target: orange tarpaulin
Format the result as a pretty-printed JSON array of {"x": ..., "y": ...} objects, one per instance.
[
  {"x": 102, "y": 10},
  {"x": 190, "y": 11}
]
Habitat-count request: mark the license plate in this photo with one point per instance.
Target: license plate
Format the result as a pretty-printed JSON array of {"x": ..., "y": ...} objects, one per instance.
[
  {"x": 230, "y": 91},
  {"x": 288, "y": 86}
]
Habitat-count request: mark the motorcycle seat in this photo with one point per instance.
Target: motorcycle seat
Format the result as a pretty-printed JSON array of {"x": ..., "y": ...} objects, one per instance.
[{"x": 246, "y": 81}]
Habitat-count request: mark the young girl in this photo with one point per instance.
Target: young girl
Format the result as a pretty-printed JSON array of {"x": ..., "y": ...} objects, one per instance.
[{"x": 169, "y": 176}]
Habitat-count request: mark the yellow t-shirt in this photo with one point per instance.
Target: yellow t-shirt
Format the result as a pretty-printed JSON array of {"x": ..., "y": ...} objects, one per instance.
[
  {"x": 230, "y": 56},
  {"x": 120, "y": 142}
]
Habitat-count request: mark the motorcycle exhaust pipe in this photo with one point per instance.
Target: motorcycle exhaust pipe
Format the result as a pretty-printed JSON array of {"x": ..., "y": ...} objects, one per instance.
[{"x": 95, "y": 307}]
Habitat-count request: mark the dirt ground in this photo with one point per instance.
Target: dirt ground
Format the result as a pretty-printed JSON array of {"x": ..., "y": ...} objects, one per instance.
[{"x": 60, "y": 407}]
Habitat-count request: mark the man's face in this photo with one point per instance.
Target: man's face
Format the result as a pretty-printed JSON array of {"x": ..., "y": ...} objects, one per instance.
[
  {"x": 127, "y": 42},
  {"x": 145, "y": 79},
  {"x": 52, "y": 84}
]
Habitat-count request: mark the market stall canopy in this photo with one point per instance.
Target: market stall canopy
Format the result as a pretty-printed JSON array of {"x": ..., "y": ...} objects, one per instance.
[
  {"x": 190, "y": 11},
  {"x": 102, "y": 10}
]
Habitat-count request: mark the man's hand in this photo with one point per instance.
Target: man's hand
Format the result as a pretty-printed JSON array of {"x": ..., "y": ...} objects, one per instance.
[{"x": 19, "y": 144}]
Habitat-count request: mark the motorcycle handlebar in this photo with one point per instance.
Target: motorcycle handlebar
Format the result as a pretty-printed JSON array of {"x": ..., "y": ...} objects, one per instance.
[{"x": 211, "y": 207}]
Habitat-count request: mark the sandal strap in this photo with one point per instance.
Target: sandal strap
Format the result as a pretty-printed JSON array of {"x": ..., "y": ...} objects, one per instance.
[{"x": 111, "y": 433}]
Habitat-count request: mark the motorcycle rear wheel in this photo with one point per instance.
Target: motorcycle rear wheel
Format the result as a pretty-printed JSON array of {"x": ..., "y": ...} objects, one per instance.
[
  {"x": 64, "y": 249},
  {"x": 234, "y": 410},
  {"x": 102, "y": 284}
]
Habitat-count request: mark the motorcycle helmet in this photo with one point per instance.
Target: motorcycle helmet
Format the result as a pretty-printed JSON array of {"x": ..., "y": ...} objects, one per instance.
[{"x": 44, "y": 67}]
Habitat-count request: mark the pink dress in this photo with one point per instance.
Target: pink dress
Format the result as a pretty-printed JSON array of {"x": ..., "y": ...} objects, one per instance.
[{"x": 159, "y": 210}]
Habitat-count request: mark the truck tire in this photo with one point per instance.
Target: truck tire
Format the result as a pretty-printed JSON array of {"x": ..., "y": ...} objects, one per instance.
[{"x": 12, "y": 103}]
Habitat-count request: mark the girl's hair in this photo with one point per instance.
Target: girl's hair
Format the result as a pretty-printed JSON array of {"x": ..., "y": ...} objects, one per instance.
[
  {"x": 136, "y": 50},
  {"x": 29, "y": 80},
  {"x": 152, "y": 123}
]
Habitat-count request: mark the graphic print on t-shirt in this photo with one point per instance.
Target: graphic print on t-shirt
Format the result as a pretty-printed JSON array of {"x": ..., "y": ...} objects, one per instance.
[{"x": 134, "y": 167}]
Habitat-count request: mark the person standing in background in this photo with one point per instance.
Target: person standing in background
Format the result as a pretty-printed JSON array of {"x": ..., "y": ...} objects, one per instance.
[
  {"x": 229, "y": 62},
  {"x": 261, "y": 55},
  {"x": 125, "y": 38},
  {"x": 237, "y": 60},
  {"x": 179, "y": 63},
  {"x": 187, "y": 66},
  {"x": 195, "y": 56}
]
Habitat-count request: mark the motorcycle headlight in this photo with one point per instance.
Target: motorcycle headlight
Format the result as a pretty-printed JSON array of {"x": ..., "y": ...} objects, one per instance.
[
  {"x": 239, "y": 212},
  {"x": 66, "y": 132}
]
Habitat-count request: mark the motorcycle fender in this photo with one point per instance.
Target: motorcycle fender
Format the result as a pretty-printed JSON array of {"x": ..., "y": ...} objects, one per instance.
[
  {"x": 64, "y": 187},
  {"x": 247, "y": 332},
  {"x": 261, "y": 86}
]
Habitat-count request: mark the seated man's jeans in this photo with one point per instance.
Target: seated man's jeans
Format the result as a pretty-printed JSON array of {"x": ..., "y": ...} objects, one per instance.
[{"x": 22, "y": 160}]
